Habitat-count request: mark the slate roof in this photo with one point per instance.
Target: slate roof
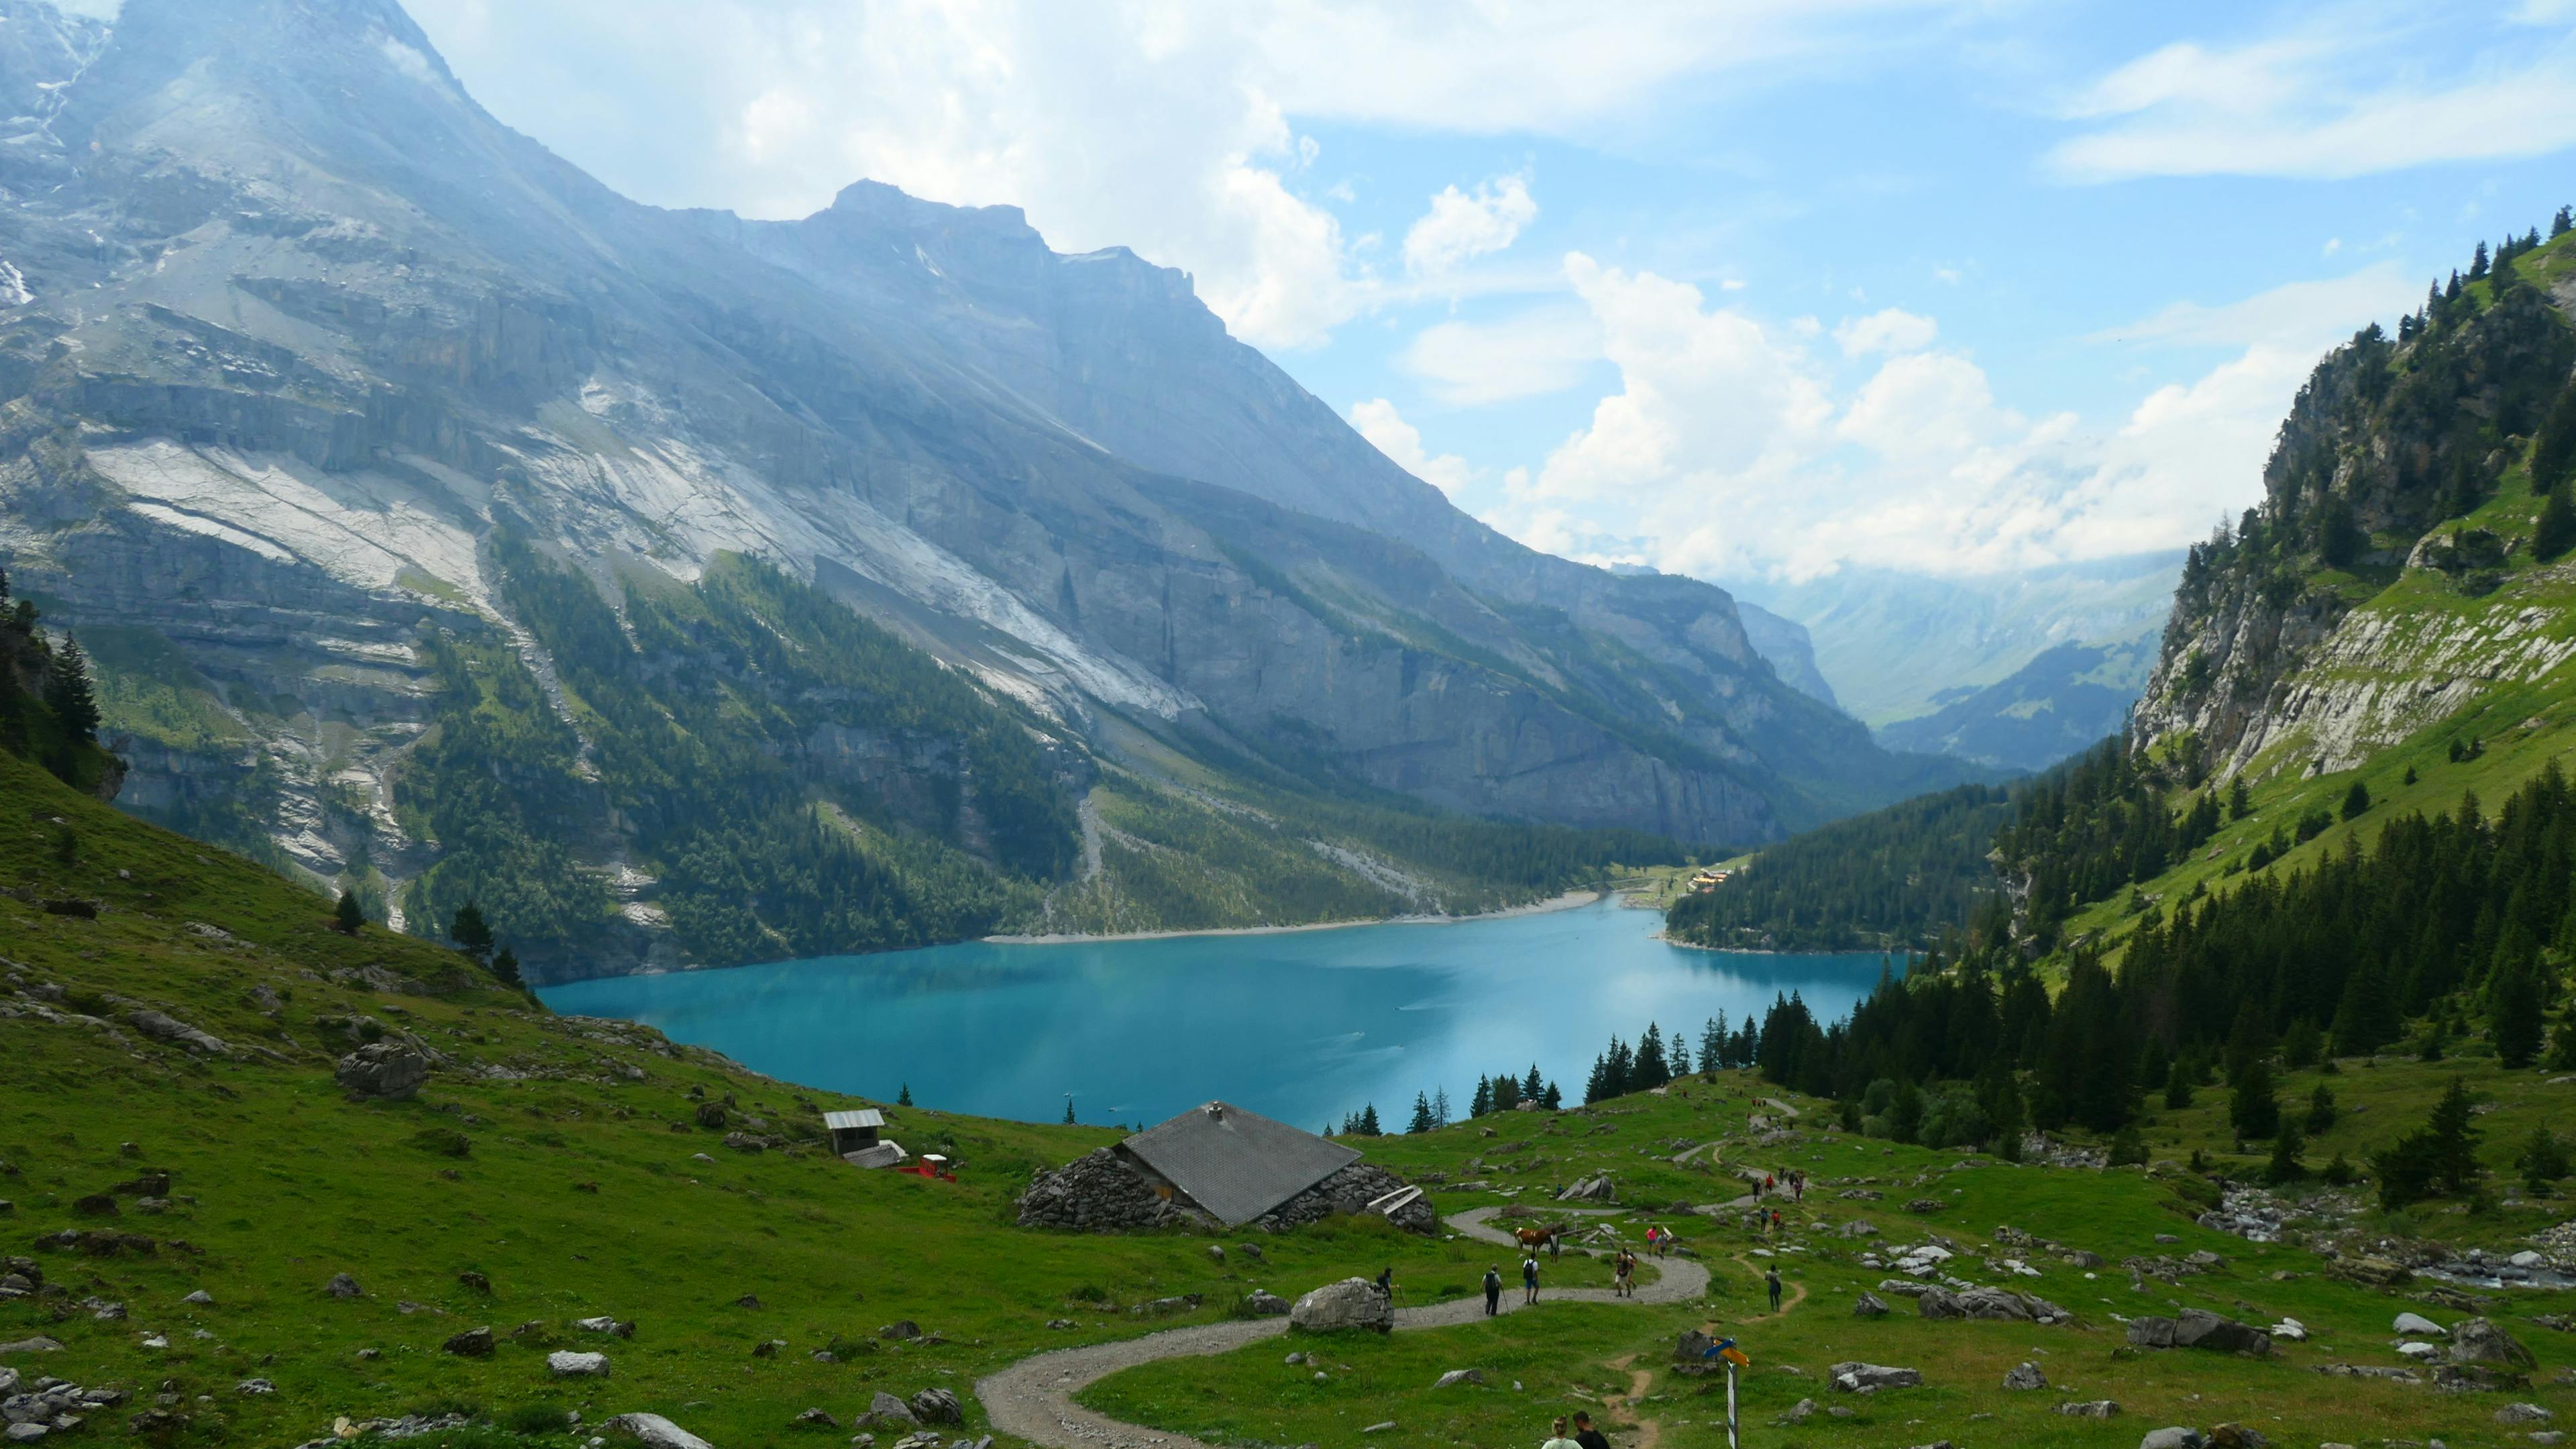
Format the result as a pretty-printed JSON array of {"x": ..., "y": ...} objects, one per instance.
[
  {"x": 1237, "y": 1164},
  {"x": 853, "y": 1121}
]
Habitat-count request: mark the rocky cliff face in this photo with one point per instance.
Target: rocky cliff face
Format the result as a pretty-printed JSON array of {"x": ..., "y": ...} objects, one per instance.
[
  {"x": 288, "y": 323},
  {"x": 2387, "y": 580}
]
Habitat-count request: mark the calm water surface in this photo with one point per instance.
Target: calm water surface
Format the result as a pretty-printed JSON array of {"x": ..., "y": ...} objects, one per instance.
[{"x": 1304, "y": 1026}]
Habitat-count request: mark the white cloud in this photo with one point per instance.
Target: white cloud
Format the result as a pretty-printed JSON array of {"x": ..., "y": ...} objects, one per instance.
[
  {"x": 1892, "y": 330},
  {"x": 2297, "y": 316},
  {"x": 1461, "y": 226},
  {"x": 1386, "y": 429},
  {"x": 2340, "y": 98},
  {"x": 1727, "y": 453},
  {"x": 1153, "y": 124},
  {"x": 1543, "y": 350}
]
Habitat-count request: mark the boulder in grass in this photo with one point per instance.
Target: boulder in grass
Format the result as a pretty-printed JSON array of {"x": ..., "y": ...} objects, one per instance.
[
  {"x": 567, "y": 1364},
  {"x": 472, "y": 1343},
  {"x": 815, "y": 1419},
  {"x": 1351, "y": 1303},
  {"x": 1869, "y": 1378},
  {"x": 383, "y": 1070},
  {"x": 2096, "y": 1409},
  {"x": 2514, "y": 1416},
  {"x": 2237, "y": 1436},
  {"x": 2025, "y": 1377},
  {"x": 937, "y": 1406},
  {"x": 1868, "y": 1306},
  {"x": 2416, "y": 1325},
  {"x": 2480, "y": 1341},
  {"x": 2200, "y": 1328},
  {"x": 886, "y": 1411},
  {"x": 653, "y": 1432},
  {"x": 1263, "y": 1304},
  {"x": 1461, "y": 1376},
  {"x": 2173, "y": 1439}
]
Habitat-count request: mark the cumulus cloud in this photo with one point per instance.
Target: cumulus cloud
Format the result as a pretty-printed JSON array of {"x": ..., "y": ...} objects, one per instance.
[
  {"x": 1892, "y": 330},
  {"x": 2352, "y": 97},
  {"x": 1385, "y": 428},
  {"x": 1543, "y": 350},
  {"x": 1461, "y": 226},
  {"x": 1729, "y": 451}
]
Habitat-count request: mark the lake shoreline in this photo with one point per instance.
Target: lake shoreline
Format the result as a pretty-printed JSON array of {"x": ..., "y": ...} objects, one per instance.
[{"x": 1570, "y": 901}]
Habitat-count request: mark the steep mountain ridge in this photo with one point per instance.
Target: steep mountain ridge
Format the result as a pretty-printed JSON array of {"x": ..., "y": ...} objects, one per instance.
[
  {"x": 297, "y": 325},
  {"x": 2388, "y": 580}
]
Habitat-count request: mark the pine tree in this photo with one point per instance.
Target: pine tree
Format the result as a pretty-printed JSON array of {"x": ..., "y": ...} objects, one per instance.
[
  {"x": 1483, "y": 1102},
  {"x": 2322, "y": 1111},
  {"x": 1068, "y": 1112},
  {"x": 346, "y": 916},
  {"x": 2441, "y": 1155},
  {"x": 1552, "y": 1099},
  {"x": 2562, "y": 223},
  {"x": 1440, "y": 1107},
  {"x": 2251, "y": 1108},
  {"x": 505, "y": 967},
  {"x": 1507, "y": 1092},
  {"x": 2556, "y": 530},
  {"x": 469, "y": 931},
  {"x": 1681, "y": 1063},
  {"x": 1421, "y": 1114},
  {"x": 2287, "y": 1149},
  {"x": 2301, "y": 1045},
  {"x": 67, "y": 691},
  {"x": 1651, "y": 1070},
  {"x": 2478, "y": 262},
  {"x": 1531, "y": 1086},
  {"x": 903, "y": 1095},
  {"x": 2562, "y": 1042},
  {"x": 2178, "y": 1086},
  {"x": 2356, "y": 801},
  {"x": 1368, "y": 1121},
  {"x": 2240, "y": 800},
  {"x": 1712, "y": 1045},
  {"x": 2515, "y": 1015},
  {"x": 2366, "y": 1018},
  {"x": 2543, "y": 1160}
]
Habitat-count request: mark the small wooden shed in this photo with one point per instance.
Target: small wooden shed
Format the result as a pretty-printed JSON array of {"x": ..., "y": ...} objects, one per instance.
[{"x": 853, "y": 1131}]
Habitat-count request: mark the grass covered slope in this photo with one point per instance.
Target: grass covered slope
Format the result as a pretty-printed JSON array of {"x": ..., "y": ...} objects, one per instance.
[
  {"x": 1615, "y": 1363},
  {"x": 560, "y": 1159}
]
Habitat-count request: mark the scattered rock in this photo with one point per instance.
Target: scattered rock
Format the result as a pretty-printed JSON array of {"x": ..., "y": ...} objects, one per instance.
[
  {"x": 2416, "y": 1325},
  {"x": 2237, "y": 1436},
  {"x": 653, "y": 1432},
  {"x": 2369, "y": 1272},
  {"x": 1590, "y": 1189},
  {"x": 1868, "y": 1306},
  {"x": 342, "y": 1286},
  {"x": 2290, "y": 1330},
  {"x": 885, "y": 1410},
  {"x": 2025, "y": 1377},
  {"x": 472, "y": 1343},
  {"x": 2479, "y": 1340},
  {"x": 1351, "y": 1303},
  {"x": 1264, "y": 1304},
  {"x": 937, "y": 1406},
  {"x": 605, "y": 1324},
  {"x": 386, "y": 1070},
  {"x": 1460, "y": 1376},
  {"x": 2172, "y": 1439},
  {"x": 1869, "y": 1378},
  {"x": 900, "y": 1328},
  {"x": 201, "y": 1298},
  {"x": 2516, "y": 1415},
  {"x": 2096, "y": 1409},
  {"x": 254, "y": 1387},
  {"x": 566, "y": 1364},
  {"x": 814, "y": 1419}
]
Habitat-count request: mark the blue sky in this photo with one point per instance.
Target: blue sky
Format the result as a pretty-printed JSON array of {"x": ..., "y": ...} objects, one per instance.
[{"x": 1751, "y": 289}]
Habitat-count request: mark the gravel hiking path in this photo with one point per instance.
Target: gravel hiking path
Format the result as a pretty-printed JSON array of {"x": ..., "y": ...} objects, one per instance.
[{"x": 1033, "y": 1399}]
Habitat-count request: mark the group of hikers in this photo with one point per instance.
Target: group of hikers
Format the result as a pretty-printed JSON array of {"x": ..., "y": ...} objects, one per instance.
[
  {"x": 1797, "y": 1185},
  {"x": 1584, "y": 1435}
]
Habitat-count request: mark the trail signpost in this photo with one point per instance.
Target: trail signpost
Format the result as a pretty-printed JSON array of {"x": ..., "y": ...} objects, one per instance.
[{"x": 1734, "y": 1358}]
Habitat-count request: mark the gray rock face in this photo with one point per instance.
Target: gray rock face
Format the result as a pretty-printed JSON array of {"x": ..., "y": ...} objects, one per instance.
[
  {"x": 1265, "y": 1304},
  {"x": 1868, "y": 1306},
  {"x": 2022, "y": 1378},
  {"x": 1353, "y": 1303},
  {"x": 2095, "y": 1409},
  {"x": 2416, "y": 1325},
  {"x": 162, "y": 1027},
  {"x": 385, "y": 1069},
  {"x": 652, "y": 1431},
  {"x": 2198, "y": 1328},
  {"x": 472, "y": 1343},
  {"x": 920, "y": 405},
  {"x": 885, "y": 1408},
  {"x": 566, "y": 1364},
  {"x": 937, "y": 1406}
]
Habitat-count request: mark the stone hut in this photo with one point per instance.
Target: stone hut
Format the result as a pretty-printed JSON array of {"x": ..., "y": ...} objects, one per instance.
[{"x": 1220, "y": 1166}]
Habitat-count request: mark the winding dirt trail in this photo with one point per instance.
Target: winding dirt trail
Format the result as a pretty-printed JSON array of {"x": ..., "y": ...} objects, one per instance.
[{"x": 1033, "y": 1399}]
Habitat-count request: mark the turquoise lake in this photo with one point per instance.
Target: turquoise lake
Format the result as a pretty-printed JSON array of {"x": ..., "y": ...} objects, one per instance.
[{"x": 1304, "y": 1026}]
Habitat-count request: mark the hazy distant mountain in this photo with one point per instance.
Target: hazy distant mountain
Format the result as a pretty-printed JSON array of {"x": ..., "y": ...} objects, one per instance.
[
  {"x": 1898, "y": 646},
  {"x": 2068, "y": 699},
  {"x": 1785, "y": 644}
]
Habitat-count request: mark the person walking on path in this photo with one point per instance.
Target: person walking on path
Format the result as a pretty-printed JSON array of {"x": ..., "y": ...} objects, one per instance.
[
  {"x": 1529, "y": 1279},
  {"x": 1771, "y": 1280},
  {"x": 1557, "y": 1439},
  {"x": 1798, "y": 1185},
  {"x": 1386, "y": 1282},
  {"x": 1493, "y": 1290},
  {"x": 1586, "y": 1435},
  {"x": 1622, "y": 1268}
]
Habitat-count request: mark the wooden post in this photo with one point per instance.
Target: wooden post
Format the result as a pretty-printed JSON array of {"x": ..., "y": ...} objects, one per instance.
[{"x": 1731, "y": 1442}]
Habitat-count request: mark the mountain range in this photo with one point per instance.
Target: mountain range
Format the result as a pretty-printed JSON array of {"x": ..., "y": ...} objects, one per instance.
[{"x": 450, "y": 528}]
